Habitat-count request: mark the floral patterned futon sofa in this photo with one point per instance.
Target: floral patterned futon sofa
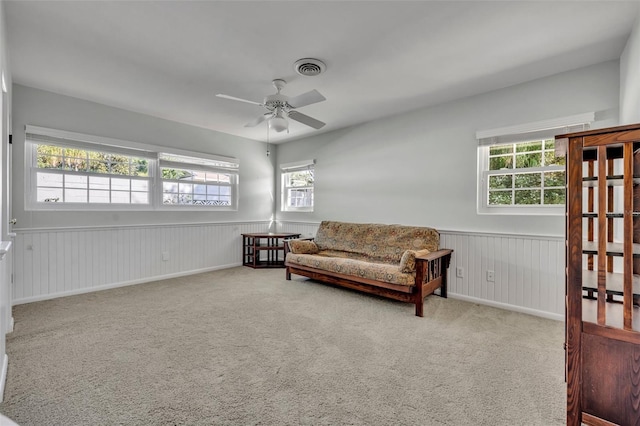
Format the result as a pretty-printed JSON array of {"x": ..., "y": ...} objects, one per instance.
[{"x": 400, "y": 262}]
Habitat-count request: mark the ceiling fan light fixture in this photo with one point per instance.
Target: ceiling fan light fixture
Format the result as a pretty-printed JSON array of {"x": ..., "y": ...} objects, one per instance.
[
  {"x": 278, "y": 124},
  {"x": 309, "y": 67}
]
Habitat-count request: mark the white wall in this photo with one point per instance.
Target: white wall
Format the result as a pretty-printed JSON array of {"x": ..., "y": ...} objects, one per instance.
[
  {"x": 63, "y": 253},
  {"x": 46, "y": 109},
  {"x": 416, "y": 169},
  {"x": 420, "y": 168},
  {"x": 5, "y": 264},
  {"x": 630, "y": 78}
]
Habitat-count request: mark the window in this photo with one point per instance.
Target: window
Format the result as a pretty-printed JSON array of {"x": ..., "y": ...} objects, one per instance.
[
  {"x": 77, "y": 175},
  {"x": 297, "y": 186},
  {"x": 71, "y": 171},
  {"x": 525, "y": 173},
  {"x": 196, "y": 181},
  {"x": 520, "y": 168}
]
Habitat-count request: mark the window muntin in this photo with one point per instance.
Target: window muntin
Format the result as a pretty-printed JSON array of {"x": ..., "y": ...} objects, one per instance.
[
  {"x": 297, "y": 190},
  {"x": 197, "y": 181},
  {"x": 525, "y": 174},
  {"x": 67, "y": 170},
  {"x": 512, "y": 159},
  {"x": 73, "y": 175},
  {"x": 196, "y": 188}
]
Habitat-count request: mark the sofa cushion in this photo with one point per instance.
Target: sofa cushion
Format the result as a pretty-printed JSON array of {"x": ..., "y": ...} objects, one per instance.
[
  {"x": 303, "y": 247},
  {"x": 358, "y": 268},
  {"x": 408, "y": 260},
  {"x": 343, "y": 254},
  {"x": 380, "y": 243}
]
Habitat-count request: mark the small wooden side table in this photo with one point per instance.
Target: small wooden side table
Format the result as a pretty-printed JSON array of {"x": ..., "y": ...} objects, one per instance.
[{"x": 262, "y": 250}]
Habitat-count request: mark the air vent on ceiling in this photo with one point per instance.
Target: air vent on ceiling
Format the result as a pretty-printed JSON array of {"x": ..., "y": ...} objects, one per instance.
[{"x": 309, "y": 67}]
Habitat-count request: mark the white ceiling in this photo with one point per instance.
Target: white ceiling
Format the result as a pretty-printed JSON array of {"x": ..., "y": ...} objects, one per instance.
[{"x": 170, "y": 58}]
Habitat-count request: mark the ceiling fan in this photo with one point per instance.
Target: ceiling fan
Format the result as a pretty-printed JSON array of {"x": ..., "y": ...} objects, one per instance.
[{"x": 280, "y": 107}]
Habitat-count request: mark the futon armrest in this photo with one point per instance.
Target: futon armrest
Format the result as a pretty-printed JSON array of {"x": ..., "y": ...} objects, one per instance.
[
  {"x": 442, "y": 253},
  {"x": 431, "y": 269}
]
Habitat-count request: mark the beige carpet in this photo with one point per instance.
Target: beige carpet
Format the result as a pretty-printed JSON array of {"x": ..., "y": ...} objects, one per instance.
[{"x": 247, "y": 347}]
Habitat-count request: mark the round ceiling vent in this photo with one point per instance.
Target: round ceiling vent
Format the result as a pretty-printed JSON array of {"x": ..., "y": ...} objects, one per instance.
[{"x": 309, "y": 67}]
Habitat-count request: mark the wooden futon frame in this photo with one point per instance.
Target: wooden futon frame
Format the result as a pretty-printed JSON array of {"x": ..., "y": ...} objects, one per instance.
[{"x": 431, "y": 274}]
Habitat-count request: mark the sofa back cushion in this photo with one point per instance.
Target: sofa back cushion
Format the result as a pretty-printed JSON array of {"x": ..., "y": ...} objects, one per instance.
[{"x": 381, "y": 243}]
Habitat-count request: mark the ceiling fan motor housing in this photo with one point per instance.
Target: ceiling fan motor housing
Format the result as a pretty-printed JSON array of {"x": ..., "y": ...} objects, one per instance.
[
  {"x": 274, "y": 101},
  {"x": 277, "y": 100}
]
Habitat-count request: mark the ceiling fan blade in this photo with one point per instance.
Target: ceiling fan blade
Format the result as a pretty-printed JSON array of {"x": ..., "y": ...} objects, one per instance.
[
  {"x": 305, "y": 99},
  {"x": 258, "y": 120},
  {"x": 233, "y": 98},
  {"x": 305, "y": 119}
]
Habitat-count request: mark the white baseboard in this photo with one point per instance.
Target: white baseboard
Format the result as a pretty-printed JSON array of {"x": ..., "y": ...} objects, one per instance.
[
  {"x": 507, "y": 306},
  {"x": 3, "y": 376},
  {"x": 11, "y": 324},
  {"x": 119, "y": 284}
]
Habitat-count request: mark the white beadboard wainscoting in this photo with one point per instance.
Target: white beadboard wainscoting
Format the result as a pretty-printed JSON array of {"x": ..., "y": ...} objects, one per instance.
[
  {"x": 528, "y": 270},
  {"x": 52, "y": 263},
  {"x": 6, "y": 318}
]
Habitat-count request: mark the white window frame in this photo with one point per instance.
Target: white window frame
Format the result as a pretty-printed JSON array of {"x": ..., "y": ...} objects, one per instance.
[
  {"x": 541, "y": 130},
  {"x": 203, "y": 164},
  {"x": 40, "y": 135},
  {"x": 288, "y": 168}
]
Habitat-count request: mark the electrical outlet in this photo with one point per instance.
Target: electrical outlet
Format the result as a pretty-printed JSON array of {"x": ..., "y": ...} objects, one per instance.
[
  {"x": 165, "y": 255},
  {"x": 459, "y": 272},
  {"x": 491, "y": 277}
]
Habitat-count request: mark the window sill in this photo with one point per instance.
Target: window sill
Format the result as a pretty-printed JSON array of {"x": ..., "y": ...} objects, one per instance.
[
  {"x": 522, "y": 211},
  {"x": 125, "y": 207}
]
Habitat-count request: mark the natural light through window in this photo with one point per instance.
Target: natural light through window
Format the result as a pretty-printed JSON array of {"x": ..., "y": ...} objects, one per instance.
[
  {"x": 83, "y": 171},
  {"x": 195, "y": 181},
  {"x": 521, "y": 168},
  {"x": 297, "y": 186},
  {"x": 526, "y": 173},
  {"x": 71, "y": 175}
]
